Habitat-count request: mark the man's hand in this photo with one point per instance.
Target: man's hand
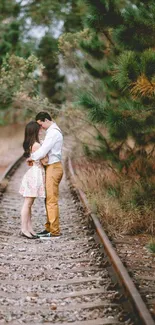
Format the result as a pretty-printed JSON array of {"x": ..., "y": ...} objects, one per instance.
[
  {"x": 44, "y": 161},
  {"x": 29, "y": 161}
]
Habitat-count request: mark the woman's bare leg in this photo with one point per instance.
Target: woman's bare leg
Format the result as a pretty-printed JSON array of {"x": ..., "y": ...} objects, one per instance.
[
  {"x": 30, "y": 229},
  {"x": 25, "y": 215}
]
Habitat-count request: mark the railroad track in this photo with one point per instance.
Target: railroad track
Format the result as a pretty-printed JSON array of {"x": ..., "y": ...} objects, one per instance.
[
  {"x": 64, "y": 280},
  {"x": 4, "y": 179}
]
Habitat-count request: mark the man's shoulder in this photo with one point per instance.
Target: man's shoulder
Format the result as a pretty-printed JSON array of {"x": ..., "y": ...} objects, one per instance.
[
  {"x": 54, "y": 133},
  {"x": 55, "y": 129}
]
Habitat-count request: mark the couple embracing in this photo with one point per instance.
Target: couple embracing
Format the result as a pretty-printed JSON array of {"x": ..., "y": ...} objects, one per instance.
[{"x": 44, "y": 175}]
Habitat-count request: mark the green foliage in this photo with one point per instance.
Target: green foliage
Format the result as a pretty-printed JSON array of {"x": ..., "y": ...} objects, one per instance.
[
  {"x": 127, "y": 69},
  {"x": 17, "y": 81},
  {"x": 42, "y": 12},
  {"x": 151, "y": 246},
  {"x": 73, "y": 18},
  {"x": 94, "y": 46},
  {"x": 114, "y": 191},
  {"x": 143, "y": 194},
  {"x": 87, "y": 150},
  {"x": 53, "y": 81},
  {"x": 16, "y": 21},
  {"x": 96, "y": 72},
  {"x": 10, "y": 38},
  {"x": 120, "y": 126},
  {"x": 148, "y": 63},
  {"x": 120, "y": 56},
  {"x": 103, "y": 13},
  {"x": 49, "y": 13},
  {"x": 103, "y": 150},
  {"x": 8, "y": 8},
  {"x": 137, "y": 23},
  {"x": 95, "y": 107}
]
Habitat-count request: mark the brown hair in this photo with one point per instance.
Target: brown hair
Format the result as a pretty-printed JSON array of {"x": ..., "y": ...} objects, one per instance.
[{"x": 31, "y": 136}]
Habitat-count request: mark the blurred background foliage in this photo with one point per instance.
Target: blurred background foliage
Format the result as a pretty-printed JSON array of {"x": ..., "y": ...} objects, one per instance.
[{"x": 30, "y": 29}]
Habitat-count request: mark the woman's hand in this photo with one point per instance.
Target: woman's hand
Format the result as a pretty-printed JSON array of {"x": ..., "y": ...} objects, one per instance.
[{"x": 29, "y": 161}]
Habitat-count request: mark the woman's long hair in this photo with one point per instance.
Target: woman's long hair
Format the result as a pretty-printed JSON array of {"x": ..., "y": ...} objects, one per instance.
[{"x": 31, "y": 136}]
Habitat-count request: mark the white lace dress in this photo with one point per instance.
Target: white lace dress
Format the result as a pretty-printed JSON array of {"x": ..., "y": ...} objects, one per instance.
[{"x": 33, "y": 182}]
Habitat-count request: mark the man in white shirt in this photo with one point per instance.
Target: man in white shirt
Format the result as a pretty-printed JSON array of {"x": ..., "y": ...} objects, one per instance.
[{"x": 51, "y": 146}]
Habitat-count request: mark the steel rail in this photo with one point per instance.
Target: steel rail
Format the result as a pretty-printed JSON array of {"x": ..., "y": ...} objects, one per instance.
[
  {"x": 130, "y": 289},
  {"x": 9, "y": 170}
]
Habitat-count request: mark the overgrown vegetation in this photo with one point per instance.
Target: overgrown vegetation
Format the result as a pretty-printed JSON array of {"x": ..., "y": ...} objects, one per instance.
[
  {"x": 122, "y": 204},
  {"x": 118, "y": 59}
]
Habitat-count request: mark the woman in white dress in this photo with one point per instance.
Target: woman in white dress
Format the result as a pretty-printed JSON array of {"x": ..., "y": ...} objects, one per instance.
[{"x": 33, "y": 182}]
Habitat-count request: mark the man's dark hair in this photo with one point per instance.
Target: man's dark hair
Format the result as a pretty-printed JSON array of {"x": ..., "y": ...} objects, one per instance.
[{"x": 42, "y": 116}]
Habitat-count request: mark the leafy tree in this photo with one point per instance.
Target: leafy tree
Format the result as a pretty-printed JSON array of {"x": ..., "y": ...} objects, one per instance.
[
  {"x": 9, "y": 28},
  {"x": 73, "y": 17},
  {"x": 19, "y": 82},
  {"x": 8, "y": 9},
  {"x": 16, "y": 21},
  {"x": 49, "y": 12}
]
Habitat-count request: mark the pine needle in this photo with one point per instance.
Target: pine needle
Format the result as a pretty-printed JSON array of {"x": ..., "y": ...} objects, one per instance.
[{"x": 143, "y": 87}]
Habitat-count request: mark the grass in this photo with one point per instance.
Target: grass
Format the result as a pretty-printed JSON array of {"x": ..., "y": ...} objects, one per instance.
[
  {"x": 116, "y": 198},
  {"x": 151, "y": 246},
  {"x": 124, "y": 203}
]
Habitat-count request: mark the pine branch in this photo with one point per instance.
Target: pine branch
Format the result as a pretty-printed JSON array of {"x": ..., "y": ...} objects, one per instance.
[
  {"x": 143, "y": 87},
  {"x": 97, "y": 73},
  {"x": 94, "y": 46},
  {"x": 150, "y": 155},
  {"x": 95, "y": 107},
  {"x": 106, "y": 33}
]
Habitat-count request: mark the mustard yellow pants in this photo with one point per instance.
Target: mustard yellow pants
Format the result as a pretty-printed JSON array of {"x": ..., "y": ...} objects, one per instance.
[{"x": 54, "y": 174}]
